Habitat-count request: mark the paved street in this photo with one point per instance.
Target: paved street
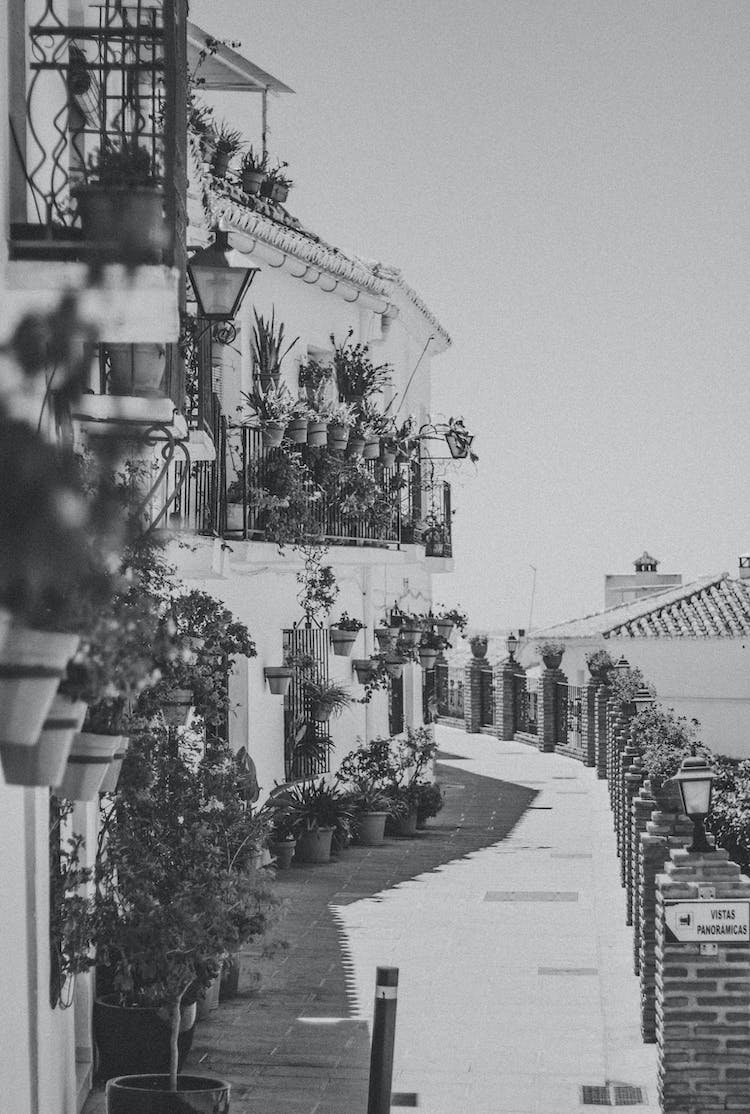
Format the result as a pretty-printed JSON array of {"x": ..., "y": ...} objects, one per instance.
[{"x": 506, "y": 920}]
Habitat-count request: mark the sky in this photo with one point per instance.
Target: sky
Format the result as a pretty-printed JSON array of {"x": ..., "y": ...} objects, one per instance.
[{"x": 566, "y": 184}]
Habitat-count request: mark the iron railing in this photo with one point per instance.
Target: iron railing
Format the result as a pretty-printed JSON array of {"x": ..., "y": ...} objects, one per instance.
[
  {"x": 568, "y": 715},
  {"x": 525, "y": 706},
  {"x": 486, "y": 698},
  {"x": 107, "y": 81},
  {"x": 449, "y": 689},
  {"x": 306, "y": 741}
]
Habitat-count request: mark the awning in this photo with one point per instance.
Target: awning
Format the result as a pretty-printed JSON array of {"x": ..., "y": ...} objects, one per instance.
[{"x": 226, "y": 70}]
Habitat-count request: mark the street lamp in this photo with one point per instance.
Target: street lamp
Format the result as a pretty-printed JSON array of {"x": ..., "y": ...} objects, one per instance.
[
  {"x": 622, "y": 665},
  {"x": 219, "y": 287},
  {"x": 642, "y": 699},
  {"x": 695, "y": 779},
  {"x": 511, "y": 645}
]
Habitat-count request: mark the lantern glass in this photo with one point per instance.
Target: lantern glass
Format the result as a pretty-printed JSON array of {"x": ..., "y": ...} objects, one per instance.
[
  {"x": 219, "y": 287},
  {"x": 511, "y": 644},
  {"x": 696, "y": 796}
]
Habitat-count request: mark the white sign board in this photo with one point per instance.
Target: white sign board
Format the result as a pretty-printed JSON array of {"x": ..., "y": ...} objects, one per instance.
[{"x": 708, "y": 921}]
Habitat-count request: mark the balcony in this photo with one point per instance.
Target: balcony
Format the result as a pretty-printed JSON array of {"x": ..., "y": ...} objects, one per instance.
[
  {"x": 103, "y": 86},
  {"x": 252, "y": 493}
]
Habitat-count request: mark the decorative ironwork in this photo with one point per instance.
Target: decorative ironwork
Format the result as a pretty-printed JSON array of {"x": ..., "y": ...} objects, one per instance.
[
  {"x": 486, "y": 698},
  {"x": 90, "y": 86},
  {"x": 568, "y": 715},
  {"x": 162, "y": 435},
  {"x": 525, "y": 706},
  {"x": 449, "y": 688},
  {"x": 396, "y": 706},
  {"x": 306, "y": 741}
]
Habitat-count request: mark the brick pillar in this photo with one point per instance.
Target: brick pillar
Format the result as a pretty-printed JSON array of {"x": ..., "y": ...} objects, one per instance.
[
  {"x": 667, "y": 829},
  {"x": 630, "y": 752},
  {"x": 702, "y": 1001},
  {"x": 588, "y": 725},
  {"x": 505, "y": 696},
  {"x": 549, "y": 681},
  {"x": 601, "y": 700},
  {"x": 634, "y": 779},
  {"x": 473, "y": 694},
  {"x": 644, "y": 803}
]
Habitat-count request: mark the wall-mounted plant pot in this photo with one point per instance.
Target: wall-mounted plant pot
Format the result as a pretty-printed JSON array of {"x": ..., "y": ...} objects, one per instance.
[
  {"x": 410, "y": 635},
  {"x": 251, "y": 181},
  {"x": 89, "y": 759},
  {"x": 137, "y": 369},
  {"x": 552, "y": 661},
  {"x": 112, "y": 776},
  {"x": 444, "y": 629},
  {"x": 296, "y": 431},
  {"x": 314, "y": 846},
  {"x": 279, "y": 678},
  {"x": 342, "y": 641},
  {"x": 371, "y": 450},
  {"x": 177, "y": 707},
  {"x": 364, "y": 668},
  {"x": 273, "y": 434},
  {"x": 45, "y": 763},
  {"x": 427, "y": 658},
  {"x": 283, "y": 852},
  {"x": 320, "y": 712},
  {"x": 31, "y": 665},
  {"x": 338, "y": 436},
  {"x": 371, "y": 828},
  {"x": 385, "y": 637},
  {"x": 395, "y": 669},
  {"x": 317, "y": 434},
  {"x": 356, "y": 446},
  {"x": 124, "y": 222},
  {"x": 136, "y": 1039},
  {"x": 210, "y": 1000},
  {"x": 150, "y": 1094}
]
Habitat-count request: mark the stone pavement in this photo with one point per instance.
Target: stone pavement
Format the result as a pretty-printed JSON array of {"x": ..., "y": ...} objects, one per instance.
[{"x": 506, "y": 921}]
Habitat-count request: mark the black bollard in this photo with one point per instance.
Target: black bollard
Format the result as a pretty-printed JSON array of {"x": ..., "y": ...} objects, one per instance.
[{"x": 383, "y": 1037}]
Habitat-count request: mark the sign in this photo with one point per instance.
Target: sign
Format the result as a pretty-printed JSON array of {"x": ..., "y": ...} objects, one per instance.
[{"x": 707, "y": 922}]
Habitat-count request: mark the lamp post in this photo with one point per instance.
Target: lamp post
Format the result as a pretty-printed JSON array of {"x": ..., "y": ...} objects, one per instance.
[
  {"x": 511, "y": 645},
  {"x": 695, "y": 780},
  {"x": 643, "y": 699}
]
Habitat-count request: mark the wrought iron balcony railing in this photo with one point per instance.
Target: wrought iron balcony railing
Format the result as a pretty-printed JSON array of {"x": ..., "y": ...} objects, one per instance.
[{"x": 94, "y": 100}]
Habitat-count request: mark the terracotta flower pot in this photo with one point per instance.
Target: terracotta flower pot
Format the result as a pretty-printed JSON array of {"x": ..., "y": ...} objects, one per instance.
[
  {"x": 405, "y": 826},
  {"x": 371, "y": 828},
  {"x": 364, "y": 668},
  {"x": 150, "y": 1094},
  {"x": 273, "y": 434},
  {"x": 177, "y": 706},
  {"x": 137, "y": 369},
  {"x": 444, "y": 629},
  {"x": 427, "y": 658},
  {"x": 552, "y": 661},
  {"x": 410, "y": 635},
  {"x": 124, "y": 222},
  {"x": 252, "y": 180},
  {"x": 317, "y": 434},
  {"x": 387, "y": 457},
  {"x": 45, "y": 763},
  {"x": 338, "y": 436},
  {"x": 279, "y": 192},
  {"x": 320, "y": 711},
  {"x": 342, "y": 641},
  {"x": 230, "y": 977},
  {"x": 356, "y": 446},
  {"x": 314, "y": 846},
  {"x": 210, "y": 1000},
  {"x": 385, "y": 638},
  {"x": 88, "y": 762},
  {"x": 296, "y": 431},
  {"x": 371, "y": 450},
  {"x": 279, "y": 678},
  {"x": 112, "y": 776},
  {"x": 395, "y": 669},
  {"x": 31, "y": 665},
  {"x": 283, "y": 852}
]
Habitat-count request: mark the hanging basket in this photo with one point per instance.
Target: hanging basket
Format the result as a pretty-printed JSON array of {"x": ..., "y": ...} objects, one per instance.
[
  {"x": 31, "y": 665},
  {"x": 296, "y": 431},
  {"x": 45, "y": 763},
  {"x": 177, "y": 707},
  {"x": 279, "y": 678},
  {"x": 364, "y": 668},
  {"x": 87, "y": 765},
  {"x": 317, "y": 435},
  {"x": 112, "y": 776},
  {"x": 273, "y": 434},
  {"x": 342, "y": 641}
]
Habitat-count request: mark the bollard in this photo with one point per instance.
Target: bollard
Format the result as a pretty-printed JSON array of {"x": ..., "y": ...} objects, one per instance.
[{"x": 383, "y": 1037}]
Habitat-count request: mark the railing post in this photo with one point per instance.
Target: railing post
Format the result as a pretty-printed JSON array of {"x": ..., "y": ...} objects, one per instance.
[{"x": 383, "y": 1040}]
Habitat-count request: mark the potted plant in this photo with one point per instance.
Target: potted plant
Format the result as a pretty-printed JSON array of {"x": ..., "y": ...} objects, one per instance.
[
  {"x": 385, "y": 637},
  {"x": 340, "y": 419},
  {"x": 357, "y": 377},
  {"x": 268, "y": 349},
  {"x": 429, "y": 648},
  {"x": 363, "y": 788},
  {"x": 447, "y": 619},
  {"x": 272, "y": 409},
  {"x": 343, "y": 634},
  {"x": 226, "y": 144},
  {"x": 299, "y": 419},
  {"x": 120, "y": 204},
  {"x": 478, "y": 645},
  {"x": 277, "y": 184},
  {"x": 253, "y": 169},
  {"x": 600, "y": 664},
  {"x": 71, "y": 912},
  {"x": 326, "y": 697},
  {"x": 410, "y": 631},
  {"x": 459, "y": 440},
  {"x": 430, "y": 800},
  {"x": 315, "y": 811},
  {"x": 551, "y": 652},
  {"x": 317, "y": 426},
  {"x": 168, "y": 906},
  {"x": 312, "y": 376},
  {"x": 279, "y": 678},
  {"x": 136, "y": 369}
]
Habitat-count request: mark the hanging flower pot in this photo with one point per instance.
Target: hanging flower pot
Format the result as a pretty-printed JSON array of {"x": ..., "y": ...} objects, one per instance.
[
  {"x": 124, "y": 221},
  {"x": 410, "y": 635},
  {"x": 444, "y": 628},
  {"x": 342, "y": 641},
  {"x": 112, "y": 776},
  {"x": 338, "y": 436},
  {"x": 273, "y": 434},
  {"x": 385, "y": 637},
  {"x": 356, "y": 446},
  {"x": 320, "y": 711},
  {"x": 31, "y": 665},
  {"x": 177, "y": 706},
  {"x": 371, "y": 450},
  {"x": 45, "y": 763},
  {"x": 427, "y": 658},
  {"x": 364, "y": 668},
  {"x": 296, "y": 431},
  {"x": 279, "y": 678},
  {"x": 317, "y": 435},
  {"x": 137, "y": 369},
  {"x": 395, "y": 668},
  {"x": 87, "y": 765}
]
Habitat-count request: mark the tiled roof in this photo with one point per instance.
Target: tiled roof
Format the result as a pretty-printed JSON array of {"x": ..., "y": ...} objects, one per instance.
[{"x": 712, "y": 607}]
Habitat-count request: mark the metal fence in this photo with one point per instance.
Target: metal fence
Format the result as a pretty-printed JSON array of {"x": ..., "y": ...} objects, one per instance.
[
  {"x": 449, "y": 689},
  {"x": 306, "y": 750},
  {"x": 486, "y": 698},
  {"x": 525, "y": 706},
  {"x": 568, "y": 715}
]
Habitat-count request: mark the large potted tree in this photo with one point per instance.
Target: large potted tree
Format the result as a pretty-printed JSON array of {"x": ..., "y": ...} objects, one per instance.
[{"x": 168, "y": 906}]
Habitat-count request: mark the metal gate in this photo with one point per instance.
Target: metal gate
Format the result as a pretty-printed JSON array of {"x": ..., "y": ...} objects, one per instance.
[{"x": 306, "y": 741}]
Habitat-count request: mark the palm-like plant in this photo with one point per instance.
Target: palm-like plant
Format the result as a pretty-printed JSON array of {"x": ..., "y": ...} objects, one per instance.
[
  {"x": 268, "y": 341},
  {"x": 272, "y": 404}
]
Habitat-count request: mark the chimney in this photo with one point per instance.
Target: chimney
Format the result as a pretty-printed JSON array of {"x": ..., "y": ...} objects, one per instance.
[{"x": 745, "y": 566}]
